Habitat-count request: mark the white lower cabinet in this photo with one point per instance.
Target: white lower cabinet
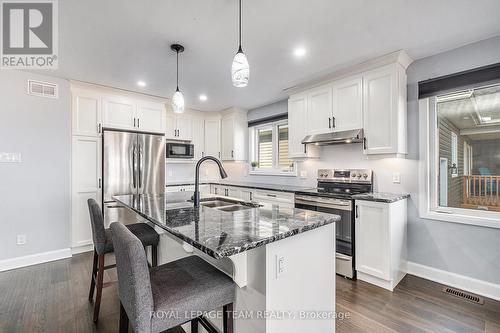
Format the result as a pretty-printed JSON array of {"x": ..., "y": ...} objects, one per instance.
[
  {"x": 381, "y": 248},
  {"x": 86, "y": 185}
]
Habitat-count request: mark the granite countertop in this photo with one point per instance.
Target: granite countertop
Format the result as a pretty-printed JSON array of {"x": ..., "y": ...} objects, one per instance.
[
  {"x": 222, "y": 234},
  {"x": 381, "y": 197},
  {"x": 258, "y": 186}
]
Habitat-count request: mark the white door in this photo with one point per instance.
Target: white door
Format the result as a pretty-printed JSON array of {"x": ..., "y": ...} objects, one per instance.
[
  {"x": 119, "y": 113},
  {"x": 212, "y": 137},
  {"x": 297, "y": 125},
  {"x": 184, "y": 127},
  {"x": 86, "y": 179},
  {"x": 348, "y": 104},
  {"x": 198, "y": 137},
  {"x": 170, "y": 126},
  {"x": 380, "y": 98},
  {"x": 151, "y": 117},
  {"x": 319, "y": 110},
  {"x": 372, "y": 239},
  {"x": 227, "y": 142},
  {"x": 443, "y": 182},
  {"x": 86, "y": 114}
]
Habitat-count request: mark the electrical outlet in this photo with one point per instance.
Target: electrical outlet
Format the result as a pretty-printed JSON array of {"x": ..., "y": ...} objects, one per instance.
[
  {"x": 10, "y": 157},
  {"x": 396, "y": 178},
  {"x": 21, "y": 239},
  {"x": 170, "y": 173},
  {"x": 280, "y": 266}
]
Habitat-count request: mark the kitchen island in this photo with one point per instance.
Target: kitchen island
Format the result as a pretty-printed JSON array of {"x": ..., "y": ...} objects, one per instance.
[{"x": 282, "y": 259}]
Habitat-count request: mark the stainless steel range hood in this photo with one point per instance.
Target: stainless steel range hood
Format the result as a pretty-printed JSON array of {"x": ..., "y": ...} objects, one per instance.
[{"x": 334, "y": 138}]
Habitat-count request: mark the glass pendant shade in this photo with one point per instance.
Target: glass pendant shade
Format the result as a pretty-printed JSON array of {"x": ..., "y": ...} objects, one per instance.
[
  {"x": 240, "y": 70},
  {"x": 178, "y": 102}
]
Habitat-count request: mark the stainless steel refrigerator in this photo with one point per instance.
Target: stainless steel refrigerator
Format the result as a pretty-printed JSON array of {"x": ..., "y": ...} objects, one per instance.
[{"x": 133, "y": 163}]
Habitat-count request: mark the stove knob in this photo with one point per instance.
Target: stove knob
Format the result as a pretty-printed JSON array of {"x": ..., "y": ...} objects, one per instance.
[
  {"x": 353, "y": 175},
  {"x": 359, "y": 175},
  {"x": 365, "y": 176}
]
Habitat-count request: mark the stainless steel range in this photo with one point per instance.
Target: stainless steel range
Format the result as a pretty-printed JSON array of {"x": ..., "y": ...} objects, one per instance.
[{"x": 334, "y": 195}]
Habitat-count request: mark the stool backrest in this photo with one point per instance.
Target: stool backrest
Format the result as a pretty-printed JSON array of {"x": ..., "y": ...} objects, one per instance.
[
  {"x": 97, "y": 223},
  {"x": 134, "y": 284}
]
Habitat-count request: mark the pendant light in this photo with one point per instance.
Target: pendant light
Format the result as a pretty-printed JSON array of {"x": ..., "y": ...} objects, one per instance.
[
  {"x": 178, "y": 98},
  {"x": 240, "y": 70}
]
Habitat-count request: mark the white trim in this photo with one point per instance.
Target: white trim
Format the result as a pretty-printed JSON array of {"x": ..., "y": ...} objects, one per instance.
[
  {"x": 34, "y": 259},
  {"x": 82, "y": 249},
  {"x": 428, "y": 187},
  {"x": 480, "y": 287}
]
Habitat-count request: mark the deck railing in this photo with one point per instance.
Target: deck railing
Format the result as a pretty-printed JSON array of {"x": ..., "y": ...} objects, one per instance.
[{"x": 481, "y": 190}]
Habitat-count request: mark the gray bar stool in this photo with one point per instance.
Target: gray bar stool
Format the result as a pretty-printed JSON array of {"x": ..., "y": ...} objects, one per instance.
[
  {"x": 104, "y": 244},
  {"x": 169, "y": 295}
]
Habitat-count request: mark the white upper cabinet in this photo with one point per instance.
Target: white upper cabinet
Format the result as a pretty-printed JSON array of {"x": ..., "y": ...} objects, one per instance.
[
  {"x": 319, "y": 110},
  {"x": 297, "y": 125},
  {"x": 151, "y": 117},
  {"x": 212, "y": 137},
  {"x": 384, "y": 116},
  {"x": 347, "y": 104},
  {"x": 234, "y": 131},
  {"x": 86, "y": 113},
  {"x": 179, "y": 126},
  {"x": 119, "y": 112},
  {"x": 198, "y": 137}
]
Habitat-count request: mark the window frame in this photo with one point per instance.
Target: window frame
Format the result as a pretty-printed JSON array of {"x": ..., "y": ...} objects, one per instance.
[
  {"x": 428, "y": 170},
  {"x": 275, "y": 170}
]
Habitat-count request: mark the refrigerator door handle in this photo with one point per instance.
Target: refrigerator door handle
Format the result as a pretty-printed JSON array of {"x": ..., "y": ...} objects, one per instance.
[
  {"x": 140, "y": 167},
  {"x": 133, "y": 166}
]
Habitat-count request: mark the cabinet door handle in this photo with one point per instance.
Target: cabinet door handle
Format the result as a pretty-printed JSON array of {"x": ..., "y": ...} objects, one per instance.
[
  {"x": 329, "y": 122},
  {"x": 271, "y": 195},
  {"x": 99, "y": 182},
  {"x": 99, "y": 128},
  {"x": 178, "y": 133},
  {"x": 138, "y": 122},
  {"x": 357, "y": 211},
  {"x": 305, "y": 149},
  {"x": 202, "y": 154},
  {"x": 364, "y": 143},
  {"x": 333, "y": 122},
  {"x": 219, "y": 154},
  {"x": 232, "y": 153},
  {"x": 251, "y": 196},
  {"x": 134, "y": 122}
]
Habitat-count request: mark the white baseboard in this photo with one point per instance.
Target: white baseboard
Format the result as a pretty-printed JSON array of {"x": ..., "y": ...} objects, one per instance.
[
  {"x": 34, "y": 259},
  {"x": 82, "y": 248},
  {"x": 483, "y": 288}
]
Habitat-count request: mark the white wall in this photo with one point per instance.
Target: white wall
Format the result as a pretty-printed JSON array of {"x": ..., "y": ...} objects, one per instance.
[
  {"x": 34, "y": 194},
  {"x": 467, "y": 250}
]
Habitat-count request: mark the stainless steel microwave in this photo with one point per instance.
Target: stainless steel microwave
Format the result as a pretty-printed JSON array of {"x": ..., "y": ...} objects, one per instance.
[{"x": 180, "y": 150}]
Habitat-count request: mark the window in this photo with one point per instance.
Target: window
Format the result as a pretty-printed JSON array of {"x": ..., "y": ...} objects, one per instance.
[
  {"x": 461, "y": 141},
  {"x": 269, "y": 149}
]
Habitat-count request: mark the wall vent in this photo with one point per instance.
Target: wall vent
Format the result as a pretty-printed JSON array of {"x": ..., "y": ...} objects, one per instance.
[
  {"x": 42, "y": 89},
  {"x": 463, "y": 295}
]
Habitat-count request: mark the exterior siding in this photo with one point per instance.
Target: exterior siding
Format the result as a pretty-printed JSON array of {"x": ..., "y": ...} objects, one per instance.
[{"x": 455, "y": 184}]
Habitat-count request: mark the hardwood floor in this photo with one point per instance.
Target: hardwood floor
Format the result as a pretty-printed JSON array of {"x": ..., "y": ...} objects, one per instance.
[{"x": 52, "y": 297}]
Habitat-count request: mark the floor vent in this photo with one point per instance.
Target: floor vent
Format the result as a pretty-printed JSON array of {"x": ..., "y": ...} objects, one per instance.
[
  {"x": 464, "y": 295},
  {"x": 42, "y": 89}
]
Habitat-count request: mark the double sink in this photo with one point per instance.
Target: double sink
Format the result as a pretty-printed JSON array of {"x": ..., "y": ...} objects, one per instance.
[{"x": 227, "y": 205}]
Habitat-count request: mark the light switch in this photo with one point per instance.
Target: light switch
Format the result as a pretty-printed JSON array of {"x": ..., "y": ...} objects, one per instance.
[
  {"x": 396, "y": 178},
  {"x": 10, "y": 157}
]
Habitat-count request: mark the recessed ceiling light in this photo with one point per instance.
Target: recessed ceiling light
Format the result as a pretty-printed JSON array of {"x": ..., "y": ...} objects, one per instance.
[
  {"x": 141, "y": 83},
  {"x": 299, "y": 52},
  {"x": 203, "y": 97}
]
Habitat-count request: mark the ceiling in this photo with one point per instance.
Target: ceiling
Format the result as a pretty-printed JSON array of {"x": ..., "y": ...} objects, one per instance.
[
  {"x": 117, "y": 42},
  {"x": 477, "y": 115}
]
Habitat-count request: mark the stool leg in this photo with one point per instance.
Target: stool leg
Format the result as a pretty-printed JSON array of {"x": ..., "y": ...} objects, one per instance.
[
  {"x": 92, "y": 277},
  {"x": 100, "y": 276},
  {"x": 194, "y": 325},
  {"x": 123, "y": 320},
  {"x": 154, "y": 255},
  {"x": 228, "y": 318}
]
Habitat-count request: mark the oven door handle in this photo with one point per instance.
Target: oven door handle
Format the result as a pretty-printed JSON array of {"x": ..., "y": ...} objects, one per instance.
[{"x": 322, "y": 201}]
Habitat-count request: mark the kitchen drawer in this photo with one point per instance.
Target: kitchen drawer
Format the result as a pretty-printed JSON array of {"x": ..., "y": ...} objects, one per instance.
[{"x": 274, "y": 197}]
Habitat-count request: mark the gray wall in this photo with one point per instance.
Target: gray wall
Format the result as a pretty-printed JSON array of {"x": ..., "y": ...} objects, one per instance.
[
  {"x": 268, "y": 110},
  {"x": 34, "y": 194},
  {"x": 468, "y": 250}
]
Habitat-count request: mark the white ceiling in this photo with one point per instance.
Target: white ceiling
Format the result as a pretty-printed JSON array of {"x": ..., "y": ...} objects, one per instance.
[{"x": 118, "y": 42}]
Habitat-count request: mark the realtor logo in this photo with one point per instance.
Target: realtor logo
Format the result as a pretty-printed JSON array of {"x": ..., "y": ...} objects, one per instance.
[{"x": 29, "y": 34}]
